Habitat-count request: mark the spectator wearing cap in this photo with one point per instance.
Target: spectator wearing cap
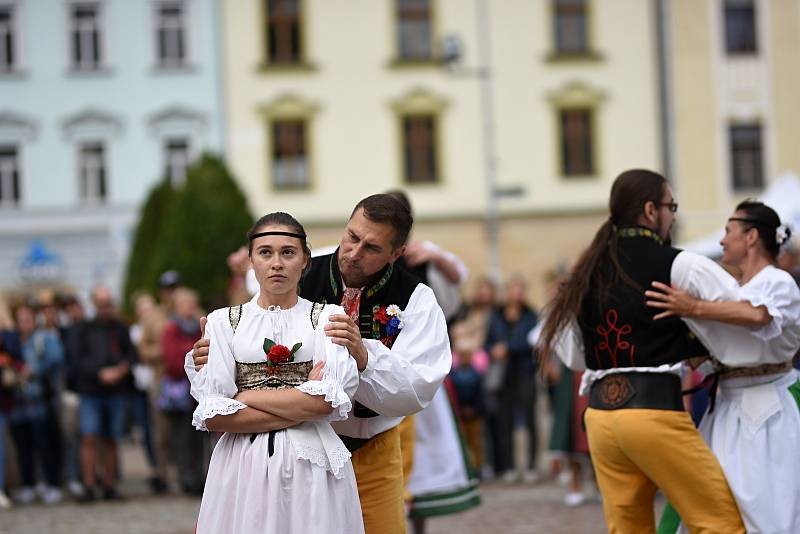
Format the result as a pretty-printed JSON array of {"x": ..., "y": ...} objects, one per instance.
[{"x": 103, "y": 373}]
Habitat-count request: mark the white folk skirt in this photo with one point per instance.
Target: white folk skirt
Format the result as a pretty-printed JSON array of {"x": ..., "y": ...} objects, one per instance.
[
  {"x": 754, "y": 432},
  {"x": 249, "y": 491}
]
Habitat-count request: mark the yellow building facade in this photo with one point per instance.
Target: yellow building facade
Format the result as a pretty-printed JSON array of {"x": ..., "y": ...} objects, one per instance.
[
  {"x": 734, "y": 85},
  {"x": 328, "y": 102}
]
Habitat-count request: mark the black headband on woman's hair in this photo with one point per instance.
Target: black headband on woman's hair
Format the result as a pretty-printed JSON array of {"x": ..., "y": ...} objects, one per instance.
[
  {"x": 752, "y": 221},
  {"x": 288, "y": 234}
]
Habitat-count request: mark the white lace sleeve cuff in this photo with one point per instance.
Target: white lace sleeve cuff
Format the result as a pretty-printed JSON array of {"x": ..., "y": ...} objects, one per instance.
[
  {"x": 212, "y": 406},
  {"x": 772, "y": 329},
  {"x": 334, "y": 394}
]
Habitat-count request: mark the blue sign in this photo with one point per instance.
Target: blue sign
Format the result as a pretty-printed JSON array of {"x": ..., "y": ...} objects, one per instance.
[{"x": 40, "y": 264}]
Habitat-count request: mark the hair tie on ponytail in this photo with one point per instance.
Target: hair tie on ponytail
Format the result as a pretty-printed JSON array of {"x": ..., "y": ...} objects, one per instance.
[{"x": 782, "y": 234}]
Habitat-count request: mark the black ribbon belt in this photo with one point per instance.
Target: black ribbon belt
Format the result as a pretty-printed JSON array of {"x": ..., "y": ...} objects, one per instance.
[
  {"x": 655, "y": 391},
  {"x": 270, "y": 441},
  {"x": 710, "y": 382},
  {"x": 353, "y": 444},
  {"x": 361, "y": 411}
]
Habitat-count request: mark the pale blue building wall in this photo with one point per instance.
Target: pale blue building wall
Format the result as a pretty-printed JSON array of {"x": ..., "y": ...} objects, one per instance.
[
  {"x": 131, "y": 88},
  {"x": 93, "y": 241}
]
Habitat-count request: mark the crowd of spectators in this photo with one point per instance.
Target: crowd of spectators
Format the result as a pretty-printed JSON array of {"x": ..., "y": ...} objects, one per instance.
[{"x": 72, "y": 385}]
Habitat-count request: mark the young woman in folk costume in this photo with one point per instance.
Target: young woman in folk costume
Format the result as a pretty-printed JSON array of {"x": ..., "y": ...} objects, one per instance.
[
  {"x": 753, "y": 331},
  {"x": 272, "y": 383}
]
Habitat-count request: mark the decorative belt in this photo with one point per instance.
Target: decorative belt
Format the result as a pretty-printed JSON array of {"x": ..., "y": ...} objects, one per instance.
[
  {"x": 655, "y": 391},
  {"x": 760, "y": 370},
  {"x": 262, "y": 375}
]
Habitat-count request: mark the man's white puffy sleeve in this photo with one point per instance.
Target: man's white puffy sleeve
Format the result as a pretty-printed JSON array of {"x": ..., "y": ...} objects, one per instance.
[
  {"x": 403, "y": 380},
  {"x": 703, "y": 278},
  {"x": 734, "y": 346},
  {"x": 569, "y": 347}
]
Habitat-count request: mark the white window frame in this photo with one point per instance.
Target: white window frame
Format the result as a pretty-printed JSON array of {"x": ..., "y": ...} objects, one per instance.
[
  {"x": 169, "y": 164},
  {"x": 102, "y": 53},
  {"x": 89, "y": 188},
  {"x": 185, "y": 61},
  {"x": 6, "y": 179},
  {"x": 18, "y": 24},
  {"x": 290, "y": 174}
]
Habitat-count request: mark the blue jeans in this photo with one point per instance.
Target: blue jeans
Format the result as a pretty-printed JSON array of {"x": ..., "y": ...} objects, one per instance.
[{"x": 103, "y": 415}]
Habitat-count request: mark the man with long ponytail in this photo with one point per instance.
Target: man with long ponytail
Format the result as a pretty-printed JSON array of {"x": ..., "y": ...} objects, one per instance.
[{"x": 640, "y": 437}]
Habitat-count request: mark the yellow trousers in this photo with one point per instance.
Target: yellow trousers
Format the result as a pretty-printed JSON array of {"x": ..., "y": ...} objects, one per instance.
[
  {"x": 473, "y": 435},
  {"x": 637, "y": 451},
  {"x": 408, "y": 435},
  {"x": 379, "y": 475}
]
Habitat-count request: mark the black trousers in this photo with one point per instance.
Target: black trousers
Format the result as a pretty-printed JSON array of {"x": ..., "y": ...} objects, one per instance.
[
  {"x": 31, "y": 441},
  {"x": 516, "y": 402},
  {"x": 187, "y": 447}
]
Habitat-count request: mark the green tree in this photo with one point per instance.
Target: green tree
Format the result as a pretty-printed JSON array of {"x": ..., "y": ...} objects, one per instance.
[
  {"x": 204, "y": 222},
  {"x": 142, "y": 272},
  {"x": 208, "y": 220}
]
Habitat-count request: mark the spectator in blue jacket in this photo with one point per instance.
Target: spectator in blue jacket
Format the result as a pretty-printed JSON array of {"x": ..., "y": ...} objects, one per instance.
[
  {"x": 42, "y": 356},
  {"x": 511, "y": 382}
]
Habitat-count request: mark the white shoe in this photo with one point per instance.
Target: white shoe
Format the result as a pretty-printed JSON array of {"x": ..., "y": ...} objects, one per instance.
[
  {"x": 75, "y": 488},
  {"x": 564, "y": 478},
  {"x": 25, "y": 495},
  {"x": 575, "y": 498},
  {"x": 511, "y": 476},
  {"x": 530, "y": 476},
  {"x": 5, "y": 502},
  {"x": 52, "y": 495}
]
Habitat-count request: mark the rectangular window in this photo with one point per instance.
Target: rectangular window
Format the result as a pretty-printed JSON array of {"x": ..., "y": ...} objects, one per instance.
[
  {"x": 419, "y": 149},
  {"x": 93, "y": 171},
  {"x": 9, "y": 176},
  {"x": 747, "y": 169},
  {"x": 576, "y": 142},
  {"x": 176, "y": 160},
  {"x": 414, "y": 41},
  {"x": 85, "y": 36},
  {"x": 289, "y": 158},
  {"x": 171, "y": 34},
  {"x": 283, "y": 32},
  {"x": 740, "y": 27},
  {"x": 570, "y": 27},
  {"x": 8, "y": 50}
]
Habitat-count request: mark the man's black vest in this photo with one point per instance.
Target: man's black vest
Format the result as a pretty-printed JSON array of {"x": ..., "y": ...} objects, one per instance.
[
  {"x": 622, "y": 333},
  {"x": 392, "y": 285}
]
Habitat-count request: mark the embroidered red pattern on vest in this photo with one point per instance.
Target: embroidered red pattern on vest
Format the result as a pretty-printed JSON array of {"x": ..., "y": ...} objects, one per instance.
[{"x": 619, "y": 344}]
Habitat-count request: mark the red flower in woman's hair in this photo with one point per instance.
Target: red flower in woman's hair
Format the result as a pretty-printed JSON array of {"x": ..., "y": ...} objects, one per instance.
[
  {"x": 279, "y": 354},
  {"x": 381, "y": 316}
]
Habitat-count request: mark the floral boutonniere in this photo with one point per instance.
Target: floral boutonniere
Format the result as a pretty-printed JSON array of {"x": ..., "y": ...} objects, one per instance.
[
  {"x": 391, "y": 319},
  {"x": 277, "y": 354}
]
